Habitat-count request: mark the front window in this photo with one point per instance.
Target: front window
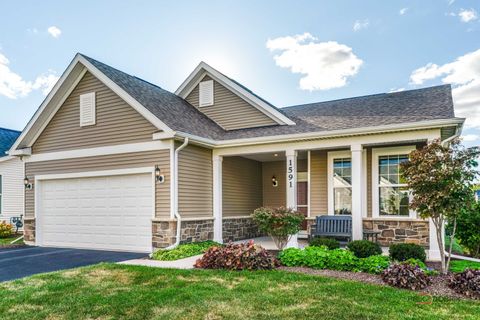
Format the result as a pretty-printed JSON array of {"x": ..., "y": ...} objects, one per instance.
[
  {"x": 393, "y": 191},
  {"x": 342, "y": 186},
  {"x": 1, "y": 194}
]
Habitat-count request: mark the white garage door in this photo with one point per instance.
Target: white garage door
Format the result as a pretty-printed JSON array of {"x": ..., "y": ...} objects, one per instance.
[{"x": 110, "y": 213}]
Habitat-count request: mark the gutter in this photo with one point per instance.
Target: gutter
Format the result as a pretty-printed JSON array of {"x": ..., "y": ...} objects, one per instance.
[
  {"x": 175, "y": 194},
  {"x": 458, "y": 131}
]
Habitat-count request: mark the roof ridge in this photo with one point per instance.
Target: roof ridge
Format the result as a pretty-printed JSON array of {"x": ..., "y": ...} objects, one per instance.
[{"x": 367, "y": 96}]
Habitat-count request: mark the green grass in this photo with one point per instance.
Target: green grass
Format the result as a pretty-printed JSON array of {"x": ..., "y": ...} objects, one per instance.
[
  {"x": 461, "y": 265},
  {"x": 184, "y": 251},
  {"x": 456, "y": 247},
  {"x": 109, "y": 291},
  {"x": 6, "y": 241}
]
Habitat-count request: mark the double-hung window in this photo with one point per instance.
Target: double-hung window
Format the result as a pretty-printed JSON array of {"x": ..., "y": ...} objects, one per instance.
[{"x": 340, "y": 183}]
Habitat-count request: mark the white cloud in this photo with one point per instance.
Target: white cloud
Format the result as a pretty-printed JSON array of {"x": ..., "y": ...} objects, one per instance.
[
  {"x": 54, "y": 31},
  {"x": 325, "y": 65},
  {"x": 403, "y": 11},
  {"x": 470, "y": 137},
  {"x": 396, "y": 90},
  {"x": 464, "y": 75},
  {"x": 467, "y": 15},
  {"x": 360, "y": 24},
  {"x": 13, "y": 86}
]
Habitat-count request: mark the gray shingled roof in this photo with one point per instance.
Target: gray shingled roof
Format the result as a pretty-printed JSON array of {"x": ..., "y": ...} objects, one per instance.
[
  {"x": 358, "y": 112},
  {"x": 7, "y": 138}
]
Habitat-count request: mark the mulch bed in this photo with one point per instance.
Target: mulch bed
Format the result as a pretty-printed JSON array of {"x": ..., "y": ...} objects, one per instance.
[{"x": 438, "y": 287}]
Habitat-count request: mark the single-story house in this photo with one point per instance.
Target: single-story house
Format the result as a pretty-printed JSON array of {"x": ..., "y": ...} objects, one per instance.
[
  {"x": 11, "y": 178},
  {"x": 116, "y": 162}
]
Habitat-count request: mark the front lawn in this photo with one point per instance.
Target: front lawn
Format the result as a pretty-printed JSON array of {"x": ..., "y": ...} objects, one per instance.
[
  {"x": 461, "y": 265},
  {"x": 110, "y": 291},
  {"x": 6, "y": 241}
]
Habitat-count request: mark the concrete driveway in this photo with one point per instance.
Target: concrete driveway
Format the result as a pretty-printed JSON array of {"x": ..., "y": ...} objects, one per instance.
[{"x": 25, "y": 261}]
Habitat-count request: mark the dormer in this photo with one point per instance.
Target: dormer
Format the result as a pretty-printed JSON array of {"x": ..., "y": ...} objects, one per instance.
[{"x": 226, "y": 102}]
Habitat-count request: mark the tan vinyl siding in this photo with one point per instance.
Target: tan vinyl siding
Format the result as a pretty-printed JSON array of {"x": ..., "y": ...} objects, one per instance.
[
  {"x": 107, "y": 162},
  {"x": 274, "y": 196},
  {"x": 116, "y": 122},
  {"x": 318, "y": 183},
  {"x": 229, "y": 110},
  {"x": 242, "y": 186},
  {"x": 195, "y": 182}
]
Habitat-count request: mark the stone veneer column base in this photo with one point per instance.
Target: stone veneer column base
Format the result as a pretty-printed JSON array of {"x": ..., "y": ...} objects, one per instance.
[
  {"x": 29, "y": 231},
  {"x": 164, "y": 232},
  {"x": 399, "y": 231},
  {"x": 242, "y": 228}
]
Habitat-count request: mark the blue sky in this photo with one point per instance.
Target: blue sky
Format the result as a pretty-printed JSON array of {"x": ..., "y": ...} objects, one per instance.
[{"x": 289, "y": 52}]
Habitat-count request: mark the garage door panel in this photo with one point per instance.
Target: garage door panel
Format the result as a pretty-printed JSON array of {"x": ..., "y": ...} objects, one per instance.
[{"x": 112, "y": 213}]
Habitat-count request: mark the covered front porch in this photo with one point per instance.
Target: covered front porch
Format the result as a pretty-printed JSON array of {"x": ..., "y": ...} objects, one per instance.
[{"x": 322, "y": 177}]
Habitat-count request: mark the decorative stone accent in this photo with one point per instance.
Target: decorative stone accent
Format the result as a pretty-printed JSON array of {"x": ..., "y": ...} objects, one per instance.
[
  {"x": 163, "y": 233},
  {"x": 29, "y": 230},
  {"x": 235, "y": 229},
  {"x": 198, "y": 230},
  {"x": 399, "y": 231}
]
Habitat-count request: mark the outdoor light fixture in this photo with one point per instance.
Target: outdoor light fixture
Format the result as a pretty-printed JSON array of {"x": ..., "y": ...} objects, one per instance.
[
  {"x": 159, "y": 177},
  {"x": 274, "y": 181},
  {"x": 27, "y": 184}
]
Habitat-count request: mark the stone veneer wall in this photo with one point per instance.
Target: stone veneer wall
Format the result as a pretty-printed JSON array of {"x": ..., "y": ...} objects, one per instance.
[
  {"x": 164, "y": 232},
  {"x": 235, "y": 229},
  {"x": 399, "y": 231},
  {"x": 29, "y": 229}
]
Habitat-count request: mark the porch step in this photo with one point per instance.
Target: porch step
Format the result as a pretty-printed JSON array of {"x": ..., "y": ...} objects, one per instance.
[{"x": 303, "y": 234}]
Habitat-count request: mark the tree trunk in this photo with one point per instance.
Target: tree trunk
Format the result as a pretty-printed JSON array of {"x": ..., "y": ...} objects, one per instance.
[
  {"x": 452, "y": 237},
  {"x": 438, "y": 222}
]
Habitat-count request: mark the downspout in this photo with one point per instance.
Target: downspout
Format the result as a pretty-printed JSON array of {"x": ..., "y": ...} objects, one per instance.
[{"x": 175, "y": 194}]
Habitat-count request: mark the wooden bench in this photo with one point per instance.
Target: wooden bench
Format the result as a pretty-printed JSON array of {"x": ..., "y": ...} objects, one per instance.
[{"x": 332, "y": 227}]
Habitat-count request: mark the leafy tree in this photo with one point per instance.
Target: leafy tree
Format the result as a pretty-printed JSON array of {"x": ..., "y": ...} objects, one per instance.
[
  {"x": 441, "y": 179},
  {"x": 468, "y": 229}
]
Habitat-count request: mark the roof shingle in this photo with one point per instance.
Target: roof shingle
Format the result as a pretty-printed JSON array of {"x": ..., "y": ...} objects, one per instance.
[{"x": 7, "y": 138}]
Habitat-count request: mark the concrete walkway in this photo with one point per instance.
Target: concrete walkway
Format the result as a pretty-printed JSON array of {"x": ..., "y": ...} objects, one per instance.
[{"x": 186, "y": 263}]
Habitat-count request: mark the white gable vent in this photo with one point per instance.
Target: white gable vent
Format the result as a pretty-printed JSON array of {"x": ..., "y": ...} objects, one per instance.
[
  {"x": 205, "y": 90},
  {"x": 87, "y": 109}
]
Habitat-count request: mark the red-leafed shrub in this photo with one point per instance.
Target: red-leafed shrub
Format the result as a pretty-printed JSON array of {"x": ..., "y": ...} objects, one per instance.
[
  {"x": 466, "y": 283},
  {"x": 407, "y": 276},
  {"x": 243, "y": 256}
]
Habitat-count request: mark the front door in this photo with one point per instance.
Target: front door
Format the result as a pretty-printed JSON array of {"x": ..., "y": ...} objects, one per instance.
[{"x": 302, "y": 200}]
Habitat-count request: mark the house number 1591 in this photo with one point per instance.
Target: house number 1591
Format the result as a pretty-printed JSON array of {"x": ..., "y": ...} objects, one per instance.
[{"x": 290, "y": 173}]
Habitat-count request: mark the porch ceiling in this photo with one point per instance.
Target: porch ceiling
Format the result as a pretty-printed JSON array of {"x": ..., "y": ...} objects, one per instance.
[{"x": 272, "y": 156}]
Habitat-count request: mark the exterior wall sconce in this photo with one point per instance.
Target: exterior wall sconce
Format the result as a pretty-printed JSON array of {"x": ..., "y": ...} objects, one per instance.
[
  {"x": 27, "y": 184},
  {"x": 159, "y": 177},
  {"x": 274, "y": 181}
]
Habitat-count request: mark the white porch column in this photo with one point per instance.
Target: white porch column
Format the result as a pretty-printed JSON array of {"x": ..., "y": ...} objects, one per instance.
[
  {"x": 357, "y": 193},
  {"x": 434, "y": 250},
  {"x": 291, "y": 188},
  {"x": 217, "y": 199}
]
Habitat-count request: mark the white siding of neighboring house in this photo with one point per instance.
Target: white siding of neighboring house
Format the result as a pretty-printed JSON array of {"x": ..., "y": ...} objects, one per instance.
[{"x": 12, "y": 172}]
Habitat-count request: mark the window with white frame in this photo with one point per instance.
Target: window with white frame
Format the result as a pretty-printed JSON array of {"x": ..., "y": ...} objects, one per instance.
[
  {"x": 339, "y": 183},
  {"x": 392, "y": 196}
]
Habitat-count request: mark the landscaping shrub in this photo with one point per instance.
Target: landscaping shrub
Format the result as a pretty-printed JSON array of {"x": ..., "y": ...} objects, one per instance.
[
  {"x": 405, "y": 251},
  {"x": 330, "y": 243},
  {"x": 468, "y": 231},
  {"x": 466, "y": 283},
  {"x": 280, "y": 223},
  {"x": 373, "y": 264},
  {"x": 184, "y": 251},
  {"x": 406, "y": 276},
  {"x": 244, "y": 256},
  {"x": 364, "y": 248},
  {"x": 6, "y": 229}
]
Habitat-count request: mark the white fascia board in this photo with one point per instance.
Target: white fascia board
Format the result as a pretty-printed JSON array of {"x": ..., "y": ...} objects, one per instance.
[
  {"x": 90, "y": 174},
  {"x": 20, "y": 152},
  {"x": 194, "y": 78}
]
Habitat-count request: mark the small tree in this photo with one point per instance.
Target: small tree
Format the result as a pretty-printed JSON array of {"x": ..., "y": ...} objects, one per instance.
[
  {"x": 281, "y": 223},
  {"x": 441, "y": 178},
  {"x": 468, "y": 229}
]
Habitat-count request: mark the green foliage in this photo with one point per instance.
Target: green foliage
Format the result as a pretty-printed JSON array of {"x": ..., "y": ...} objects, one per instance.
[
  {"x": 404, "y": 251},
  {"x": 468, "y": 229},
  {"x": 406, "y": 276},
  {"x": 460, "y": 265},
  {"x": 279, "y": 223},
  {"x": 364, "y": 248},
  {"x": 466, "y": 283},
  {"x": 184, "y": 251},
  {"x": 330, "y": 243},
  {"x": 337, "y": 259},
  {"x": 243, "y": 256},
  {"x": 456, "y": 247},
  {"x": 6, "y": 229}
]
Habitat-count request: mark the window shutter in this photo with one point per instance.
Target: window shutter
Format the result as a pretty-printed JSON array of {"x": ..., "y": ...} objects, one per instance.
[
  {"x": 206, "y": 93},
  {"x": 87, "y": 109}
]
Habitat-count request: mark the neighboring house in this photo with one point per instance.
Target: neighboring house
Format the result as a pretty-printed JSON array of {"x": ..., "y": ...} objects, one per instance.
[
  {"x": 11, "y": 178},
  {"x": 117, "y": 162}
]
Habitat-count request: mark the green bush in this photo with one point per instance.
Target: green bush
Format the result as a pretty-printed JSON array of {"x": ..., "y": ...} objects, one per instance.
[
  {"x": 405, "y": 251},
  {"x": 184, "y": 251},
  {"x": 468, "y": 231},
  {"x": 330, "y": 243},
  {"x": 6, "y": 229},
  {"x": 337, "y": 259},
  {"x": 364, "y": 248},
  {"x": 456, "y": 247},
  {"x": 280, "y": 223}
]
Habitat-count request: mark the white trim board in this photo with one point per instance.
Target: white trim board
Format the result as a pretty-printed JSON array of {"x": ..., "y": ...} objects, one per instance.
[
  {"x": 376, "y": 153},
  {"x": 100, "y": 151}
]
